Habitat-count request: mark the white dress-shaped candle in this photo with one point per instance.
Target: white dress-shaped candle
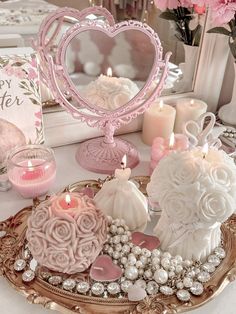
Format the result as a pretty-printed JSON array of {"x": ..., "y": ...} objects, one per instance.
[
  {"x": 120, "y": 198},
  {"x": 158, "y": 121},
  {"x": 196, "y": 190}
]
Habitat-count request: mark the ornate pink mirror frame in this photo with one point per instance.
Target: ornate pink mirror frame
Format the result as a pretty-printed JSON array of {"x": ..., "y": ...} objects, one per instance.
[{"x": 104, "y": 154}]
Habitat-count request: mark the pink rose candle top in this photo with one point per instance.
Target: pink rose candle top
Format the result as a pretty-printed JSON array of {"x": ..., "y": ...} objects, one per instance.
[
  {"x": 32, "y": 170},
  {"x": 162, "y": 147},
  {"x": 66, "y": 233}
]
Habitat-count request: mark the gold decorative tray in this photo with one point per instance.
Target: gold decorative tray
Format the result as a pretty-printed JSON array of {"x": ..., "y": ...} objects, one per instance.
[{"x": 12, "y": 241}]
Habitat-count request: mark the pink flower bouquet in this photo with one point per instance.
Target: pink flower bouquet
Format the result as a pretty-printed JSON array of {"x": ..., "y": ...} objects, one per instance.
[
  {"x": 223, "y": 13},
  {"x": 187, "y": 16}
]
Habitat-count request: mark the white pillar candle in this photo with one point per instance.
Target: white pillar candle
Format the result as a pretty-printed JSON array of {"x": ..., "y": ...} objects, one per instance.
[
  {"x": 188, "y": 109},
  {"x": 158, "y": 121}
]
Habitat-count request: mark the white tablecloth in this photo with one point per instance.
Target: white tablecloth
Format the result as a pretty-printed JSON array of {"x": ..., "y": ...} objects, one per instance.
[{"x": 68, "y": 172}]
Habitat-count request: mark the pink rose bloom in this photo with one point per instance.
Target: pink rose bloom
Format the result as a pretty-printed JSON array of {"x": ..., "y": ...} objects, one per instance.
[
  {"x": 222, "y": 11},
  {"x": 32, "y": 74},
  {"x": 8, "y": 69},
  {"x": 69, "y": 239}
]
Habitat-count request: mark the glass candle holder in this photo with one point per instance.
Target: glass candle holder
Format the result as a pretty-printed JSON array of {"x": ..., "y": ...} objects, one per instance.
[{"x": 32, "y": 170}]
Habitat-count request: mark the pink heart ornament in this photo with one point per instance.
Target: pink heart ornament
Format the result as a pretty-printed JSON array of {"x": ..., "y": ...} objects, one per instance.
[
  {"x": 136, "y": 293},
  {"x": 145, "y": 241},
  {"x": 103, "y": 269}
]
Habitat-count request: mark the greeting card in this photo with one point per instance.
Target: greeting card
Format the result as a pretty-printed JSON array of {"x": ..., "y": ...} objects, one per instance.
[{"x": 20, "y": 105}]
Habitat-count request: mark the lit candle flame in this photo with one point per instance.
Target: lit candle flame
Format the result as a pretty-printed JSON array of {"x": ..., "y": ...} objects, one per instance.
[
  {"x": 192, "y": 102},
  {"x": 30, "y": 166},
  {"x": 205, "y": 150},
  {"x": 68, "y": 199},
  {"x": 172, "y": 140},
  {"x": 124, "y": 162},
  {"x": 161, "y": 104},
  {"x": 109, "y": 72}
]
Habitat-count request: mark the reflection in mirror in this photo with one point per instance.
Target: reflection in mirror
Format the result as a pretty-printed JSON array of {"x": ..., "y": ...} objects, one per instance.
[{"x": 107, "y": 71}]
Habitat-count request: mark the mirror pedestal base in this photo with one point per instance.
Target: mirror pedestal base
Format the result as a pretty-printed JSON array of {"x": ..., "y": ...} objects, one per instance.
[{"x": 97, "y": 156}]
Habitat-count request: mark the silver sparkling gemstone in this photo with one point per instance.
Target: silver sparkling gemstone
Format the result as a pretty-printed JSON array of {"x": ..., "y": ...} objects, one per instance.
[
  {"x": 26, "y": 253},
  {"x": 136, "y": 250},
  {"x": 203, "y": 276},
  {"x": 209, "y": 267},
  {"x": 125, "y": 285},
  {"x": 166, "y": 290},
  {"x": 97, "y": 288},
  {"x": 156, "y": 253},
  {"x": 152, "y": 288},
  {"x": 45, "y": 275},
  {"x": 19, "y": 264},
  {"x": 124, "y": 238},
  {"x": 55, "y": 280},
  {"x": 146, "y": 252},
  {"x": 120, "y": 230},
  {"x": 188, "y": 282},
  {"x": 213, "y": 259},
  {"x": 125, "y": 248},
  {"x": 183, "y": 295},
  {"x": 220, "y": 252},
  {"x": 69, "y": 284},
  {"x": 148, "y": 274},
  {"x": 113, "y": 288},
  {"x": 197, "y": 288},
  {"x": 33, "y": 264},
  {"x": 82, "y": 287},
  {"x": 28, "y": 275}
]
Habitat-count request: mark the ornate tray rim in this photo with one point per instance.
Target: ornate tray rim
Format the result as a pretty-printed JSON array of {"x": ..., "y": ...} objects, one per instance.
[{"x": 39, "y": 292}]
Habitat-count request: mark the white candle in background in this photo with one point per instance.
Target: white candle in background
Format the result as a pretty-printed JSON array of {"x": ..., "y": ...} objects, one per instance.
[
  {"x": 158, "y": 121},
  {"x": 188, "y": 109}
]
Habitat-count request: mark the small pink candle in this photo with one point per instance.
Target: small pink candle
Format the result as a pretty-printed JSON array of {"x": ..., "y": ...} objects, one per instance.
[
  {"x": 68, "y": 202},
  {"x": 162, "y": 147},
  {"x": 32, "y": 170}
]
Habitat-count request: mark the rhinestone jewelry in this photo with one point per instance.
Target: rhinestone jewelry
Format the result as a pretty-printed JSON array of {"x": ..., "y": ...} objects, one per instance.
[
  {"x": 209, "y": 267},
  {"x": 125, "y": 285},
  {"x": 82, "y": 287},
  {"x": 166, "y": 290},
  {"x": 55, "y": 280},
  {"x": 152, "y": 287},
  {"x": 28, "y": 275},
  {"x": 214, "y": 260},
  {"x": 113, "y": 288},
  {"x": 188, "y": 282},
  {"x": 197, "y": 288},
  {"x": 69, "y": 284},
  {"x": 141, "y": 283},
  {"x": 220, "y": 252},
  {"x": 19, "y": 264},
  {"x": 203, "y": 276},
  {"x": 97, "y": 288},
  {"x": 183, "y": 295}
]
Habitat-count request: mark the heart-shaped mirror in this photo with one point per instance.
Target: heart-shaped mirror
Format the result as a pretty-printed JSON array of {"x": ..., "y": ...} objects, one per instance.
[{"x": 119, "y": 72}]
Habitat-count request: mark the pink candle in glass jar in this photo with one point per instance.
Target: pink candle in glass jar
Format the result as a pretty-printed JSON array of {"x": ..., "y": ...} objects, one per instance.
[
  {"x": 32, "y": 170},
  {"x": 162, "y": 147}
]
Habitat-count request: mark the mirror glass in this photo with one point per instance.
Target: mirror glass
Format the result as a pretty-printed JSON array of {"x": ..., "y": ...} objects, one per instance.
[{"x": 109, "y": 71}]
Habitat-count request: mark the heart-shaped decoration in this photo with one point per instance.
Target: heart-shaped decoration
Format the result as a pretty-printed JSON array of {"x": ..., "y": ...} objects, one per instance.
[
  {"x": 145, "y": 241},
  {"x": 104, "y": 270},
  {"x": 136, "y": 293},
  {"x": 111, "y": 32}
]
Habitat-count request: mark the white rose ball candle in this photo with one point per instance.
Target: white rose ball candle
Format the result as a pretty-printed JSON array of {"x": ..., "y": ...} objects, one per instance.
[
  {"x": 66, "y": 233},
  {"x": 197, "y": 193},
  {"x": 110, "y": 92}
]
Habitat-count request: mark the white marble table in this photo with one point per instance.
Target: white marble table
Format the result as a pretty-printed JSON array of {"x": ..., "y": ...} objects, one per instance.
[{"x": 68, "y": 172}]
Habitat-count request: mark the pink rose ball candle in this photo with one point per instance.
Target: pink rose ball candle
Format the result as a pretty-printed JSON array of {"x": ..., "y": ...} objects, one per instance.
[
  {"x": 32, "y": 170},
  {"x": 66, "y": 233},
  {"x": 162, "y": 147}
]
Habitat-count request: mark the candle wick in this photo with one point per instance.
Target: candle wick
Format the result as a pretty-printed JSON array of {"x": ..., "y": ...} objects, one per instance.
[
  {"x": 122, "y": 165},
  {"x": 141, "y": 243},
  {"x": 98, "y": 268}
]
